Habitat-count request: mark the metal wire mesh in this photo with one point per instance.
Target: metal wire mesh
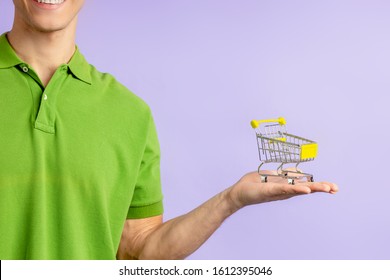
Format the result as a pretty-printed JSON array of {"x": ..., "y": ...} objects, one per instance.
[{"x": 276, "y": 145}]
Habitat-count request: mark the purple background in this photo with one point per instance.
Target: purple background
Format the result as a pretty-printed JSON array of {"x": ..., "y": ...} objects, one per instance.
[{"x": 207, "y": 67}]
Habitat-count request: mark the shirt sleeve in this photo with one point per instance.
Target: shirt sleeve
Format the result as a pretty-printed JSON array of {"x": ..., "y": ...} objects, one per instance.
[{"x": 147, "y": 199}]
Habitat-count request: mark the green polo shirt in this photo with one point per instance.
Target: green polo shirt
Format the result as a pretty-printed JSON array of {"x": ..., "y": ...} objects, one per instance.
[{"x": 76, "y": 159}]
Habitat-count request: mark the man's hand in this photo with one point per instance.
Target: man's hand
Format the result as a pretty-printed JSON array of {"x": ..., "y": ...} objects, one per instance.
[
  {"x": 250, "y": 190},
  {"x": 177, "y": 238}
]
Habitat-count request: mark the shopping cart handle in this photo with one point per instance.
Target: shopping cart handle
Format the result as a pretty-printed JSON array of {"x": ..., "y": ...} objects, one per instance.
[{"x": 256, "y": 123}]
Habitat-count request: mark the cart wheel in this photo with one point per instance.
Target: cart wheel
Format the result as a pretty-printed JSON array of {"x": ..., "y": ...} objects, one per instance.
[
  {"x": 311, "y": 179},
  {"x": 264, "y": 179},
  {"x": 291, "y": 181}
]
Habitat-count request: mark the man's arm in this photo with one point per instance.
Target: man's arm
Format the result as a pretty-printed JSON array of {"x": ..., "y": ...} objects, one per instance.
[
  {"x": 150, "y": 238},
  {"x": 177, "y": 238}
]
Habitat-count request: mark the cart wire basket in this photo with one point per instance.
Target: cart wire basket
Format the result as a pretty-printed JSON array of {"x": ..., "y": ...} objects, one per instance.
[{"x": 277, "y": 146}]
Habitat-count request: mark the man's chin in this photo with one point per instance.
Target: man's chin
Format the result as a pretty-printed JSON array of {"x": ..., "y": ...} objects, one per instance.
[
  {"x": 51, "y": 29},
  {"x": 49, "y": 26}
]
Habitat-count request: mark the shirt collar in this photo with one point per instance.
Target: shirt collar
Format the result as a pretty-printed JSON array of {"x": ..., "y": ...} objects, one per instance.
[
  {"x": 79, "y": 67},
  {"x": 8, "y": 57}
]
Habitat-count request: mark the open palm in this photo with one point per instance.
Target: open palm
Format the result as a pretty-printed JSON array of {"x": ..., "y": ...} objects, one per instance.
[{"x": 250, "y": 190}]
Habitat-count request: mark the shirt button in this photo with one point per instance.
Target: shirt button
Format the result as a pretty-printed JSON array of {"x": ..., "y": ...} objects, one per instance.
[
  {"x": 25, "y": 69},
  {"x": 45, "y": 97}
]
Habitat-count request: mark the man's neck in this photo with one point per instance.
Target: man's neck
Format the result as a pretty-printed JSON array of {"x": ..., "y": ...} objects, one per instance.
[{"x": 44, "y": 51}]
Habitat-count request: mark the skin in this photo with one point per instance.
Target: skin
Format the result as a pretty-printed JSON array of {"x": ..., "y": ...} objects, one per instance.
[
  {"x": 45, "y": 39},
  {"x": 178, "y": 238}
]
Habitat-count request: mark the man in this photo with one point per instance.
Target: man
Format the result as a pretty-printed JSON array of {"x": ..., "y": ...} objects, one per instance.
[{"x": 79, "y": 164}]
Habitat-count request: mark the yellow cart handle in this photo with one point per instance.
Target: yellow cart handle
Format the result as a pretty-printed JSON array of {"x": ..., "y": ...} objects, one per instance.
[{"x": 256, "y": 123}]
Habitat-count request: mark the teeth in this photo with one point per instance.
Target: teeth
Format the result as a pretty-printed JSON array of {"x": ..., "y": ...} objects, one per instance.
[{"x": 53, "y": 2}]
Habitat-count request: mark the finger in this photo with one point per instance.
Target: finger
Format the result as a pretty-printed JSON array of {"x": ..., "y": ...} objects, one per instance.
[
  {"x": 321, "y": 187},
  {"x": 294, "y": 169},
  {"x": 301, "y": 189},
  {"x": 269, "y": 172},
  {"x": 329, "y": 187},
  {"x": 293, "y": 189},
  {"x": 333, "y": 188}
]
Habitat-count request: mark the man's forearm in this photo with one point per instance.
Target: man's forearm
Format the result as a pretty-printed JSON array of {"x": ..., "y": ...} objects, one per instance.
[{"x": 181, "y": 236}]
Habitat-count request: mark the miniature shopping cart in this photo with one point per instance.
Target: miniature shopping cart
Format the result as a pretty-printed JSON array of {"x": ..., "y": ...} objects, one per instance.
[{"x": 277, "y": 146}]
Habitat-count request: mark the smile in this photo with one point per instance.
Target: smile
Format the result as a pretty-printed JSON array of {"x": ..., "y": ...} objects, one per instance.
[{"x": 51, "y": 2}]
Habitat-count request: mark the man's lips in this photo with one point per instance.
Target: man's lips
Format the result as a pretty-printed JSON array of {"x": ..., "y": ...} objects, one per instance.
[{"x": 49, "y": 5}]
